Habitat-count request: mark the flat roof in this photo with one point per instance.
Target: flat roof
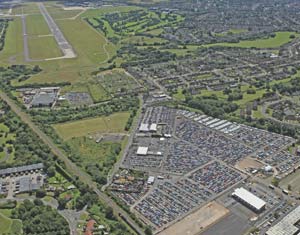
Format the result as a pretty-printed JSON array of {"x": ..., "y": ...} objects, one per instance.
[
  {"x": 142, "y": 151},
  {"x": 21, "y": 169},
  {"x": 287, "y": 225},
  {"x": 144, "y": 127},
  {"x": 151, "y": 179},
  {"x": 153, "y": 127},
  {"x": 250, "y": 198}
]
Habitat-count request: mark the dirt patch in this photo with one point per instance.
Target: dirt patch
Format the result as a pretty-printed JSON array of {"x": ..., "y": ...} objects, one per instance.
[
  {"x": 198, "y": 221},
  {"x": 248, "y": 163}
]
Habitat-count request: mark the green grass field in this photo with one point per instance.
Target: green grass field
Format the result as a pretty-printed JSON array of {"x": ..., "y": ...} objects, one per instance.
[
  {"x": 5, "y": 224},
  {"x": 58, "y": 13},
  {"x": 43, "y": 48},
  {"x": 13, "y": 50},
  {"x": 293, "y": 180},
  {"x": 36, "y": 25},
  {"x": 114, "y": 123},
  {"x": 89, "y": 45},
  {"x": 281, "y": 38},
  {"x": 26, "y": 8},
  {"x": 9, "y": 226}
]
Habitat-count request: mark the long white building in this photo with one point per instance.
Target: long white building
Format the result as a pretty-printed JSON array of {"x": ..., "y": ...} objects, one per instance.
[
  {"x": 287, "y": 225},
  {"x": 249, "y": 199}
]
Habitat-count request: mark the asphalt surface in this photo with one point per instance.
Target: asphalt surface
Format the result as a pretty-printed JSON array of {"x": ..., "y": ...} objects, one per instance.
[
  {"x": 71, "y": 167},
  {"x": 64, "y": 45}
]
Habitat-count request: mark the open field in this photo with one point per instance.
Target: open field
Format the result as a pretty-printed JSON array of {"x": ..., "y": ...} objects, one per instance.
[
  {"x": 248, "y": 163},
  {"x": 114, "y": 123},
  {"x": 281, "y": 38},
  {"x": 198, "y": 221},
  {"x": 57, "y": 12},
  {"x": 5, "y": 224},
  {"x": 90, "y": 46},
  {"x": 26, "y": 8},
  {"x": 9, "y": 226},
  {"x": 36, "y": 25},
  {"x": 38, "y": 50},
  {"x": 293, "y": 180},
  {"x": 13, "y": 50}
]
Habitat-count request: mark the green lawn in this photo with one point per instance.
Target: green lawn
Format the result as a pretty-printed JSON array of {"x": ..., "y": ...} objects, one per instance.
[
  {"x": 91, "y": 13},
  {"x": 5, "y": 224},
  {"x": 114, "y": 123},
  {"x": 38, "y": 50},
  {"x": 281, "y": 38},
  {"x": 26, "y": 8},
  {"x": 36, "y": 25},
  {"x": 13, "y": 49},
  {"x": 97, "y": 92},
  {"x": 179, "y": 95},
  {"x": 293, "y": 180}
]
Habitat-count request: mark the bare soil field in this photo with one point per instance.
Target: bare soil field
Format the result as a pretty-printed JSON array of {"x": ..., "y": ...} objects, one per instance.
[{"x": 198, "y": 221}]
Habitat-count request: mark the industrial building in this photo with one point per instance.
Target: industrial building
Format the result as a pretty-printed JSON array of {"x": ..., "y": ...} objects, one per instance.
[
  {"x": 142, "y": 151},
  {"x": 249, "y": 199},
  {"x": 21, "y": 169},
  {"x": 289, "y": 225}
]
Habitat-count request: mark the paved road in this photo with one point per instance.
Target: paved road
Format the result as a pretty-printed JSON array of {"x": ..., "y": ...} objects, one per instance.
[
  {"x": 129, "y": 143},
  {"x": 64, "y": 45},
  {"x": 71, "y": 167}
]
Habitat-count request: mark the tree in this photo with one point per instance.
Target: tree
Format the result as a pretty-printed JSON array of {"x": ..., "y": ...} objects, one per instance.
[
  {"x": 109, "y": 213},
  {"x": 51, "y": 171},
  {"x": 40, "y": 193},
  {"x": 148, "y": 230},
  {"x": 62, "y": 202}
]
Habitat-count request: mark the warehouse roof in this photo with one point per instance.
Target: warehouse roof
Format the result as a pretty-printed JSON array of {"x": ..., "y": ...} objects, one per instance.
[
  {"x": 21, "y": 169},
  {"x": 144, "y": 127},
  {"x": 249, "y": 198},
  {"x": 142, "y": 151},
  {"x": 287, "y": 225},
  {"x": 45, "y": 99}
]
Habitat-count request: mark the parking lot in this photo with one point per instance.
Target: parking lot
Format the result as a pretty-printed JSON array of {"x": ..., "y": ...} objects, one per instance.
[{"x": 197, "y": 156}]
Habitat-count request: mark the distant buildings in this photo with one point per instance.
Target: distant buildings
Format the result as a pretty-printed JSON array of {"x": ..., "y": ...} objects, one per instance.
[{"x": 39, "y": 97}]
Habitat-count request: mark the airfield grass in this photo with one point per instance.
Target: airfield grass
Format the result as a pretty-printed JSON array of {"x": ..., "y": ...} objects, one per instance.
[
  {"x": 43, "y": 48},
  {"x": 57, "y": 12},
  {"x": 13, "y": 49},
  {"x": 89, "y": 45},
  {"x": 281, "y": 38},
  {"x": 26, "y": 8},
  {"x": 36, "y": 25},
  {"x": 114, "y": 123}
]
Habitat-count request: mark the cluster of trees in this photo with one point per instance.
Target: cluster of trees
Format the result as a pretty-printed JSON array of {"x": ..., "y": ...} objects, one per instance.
[
  {"x": 211, "y": 105},
  {"x": 67, "y": 114},
  {"x": 3, "y": 28},
  {"x": 143, "y": 56},
  {"x": 19, "y": 72},
  {"x": 29, "y": 149},
  {"x": 98, "y": 170},
  {"x": 290, "y": 87},
  {"x": 130, "y": 120},
  {"x": 40, "y": 219}
]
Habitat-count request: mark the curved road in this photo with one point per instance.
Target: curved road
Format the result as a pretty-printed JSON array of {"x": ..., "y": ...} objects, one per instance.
[{"x": 71, "y": 167}]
